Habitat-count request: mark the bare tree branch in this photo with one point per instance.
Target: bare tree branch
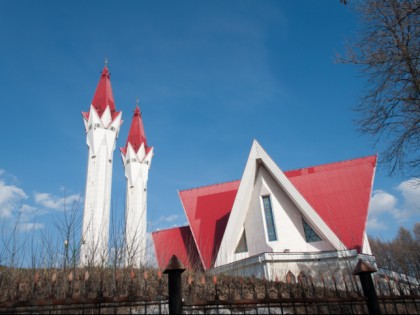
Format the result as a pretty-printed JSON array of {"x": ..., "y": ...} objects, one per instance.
[{"x": 387, "y": 52}]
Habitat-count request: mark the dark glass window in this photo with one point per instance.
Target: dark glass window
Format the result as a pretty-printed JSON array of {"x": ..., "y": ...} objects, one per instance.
[
  {"x": 242, "y": 246},
  {"x": 269, "y": 219},
  {"x": 310, "y": 234}
]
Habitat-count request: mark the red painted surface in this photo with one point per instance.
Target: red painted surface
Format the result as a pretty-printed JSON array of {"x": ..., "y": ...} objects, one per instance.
[
  {"x": 338, "y": 192},
  {"x": 208, "y": 209},
  {"x": 179, "y": 242},
  {"x": 136, "y": 135},
  {"x": 103, "y": 96}
]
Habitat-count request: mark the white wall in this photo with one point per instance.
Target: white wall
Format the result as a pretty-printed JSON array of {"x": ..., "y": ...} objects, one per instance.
[
  {"x": 136, "y": 171},
  {"x": 101, "y": 140},
  {"x": 275, "y": 266},
  {"x": 287, "y": 219}
]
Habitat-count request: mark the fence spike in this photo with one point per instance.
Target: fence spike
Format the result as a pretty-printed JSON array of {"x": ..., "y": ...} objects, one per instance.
[
  {"x": 290, "y": 277},
  {"x": 54, "y": 278},
  {"x": 70, "y": 276},
  {"x": 36, "y": 277}
]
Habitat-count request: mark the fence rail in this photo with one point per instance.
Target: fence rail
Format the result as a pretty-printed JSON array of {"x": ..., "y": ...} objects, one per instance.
[{"x": 111, "y": 305}]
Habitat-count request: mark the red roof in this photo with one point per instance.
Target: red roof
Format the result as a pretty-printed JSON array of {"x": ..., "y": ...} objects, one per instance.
[
  {"x": 136, "y": 136},
  {"x": 103, "y": 96},
  {"x": 208, "y": 209},
  {"x": 179, "y": 242},
  {"x": 338, "y": 192}
]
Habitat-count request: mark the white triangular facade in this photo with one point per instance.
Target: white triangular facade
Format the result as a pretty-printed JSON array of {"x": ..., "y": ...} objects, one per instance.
[{"x": 263, "y": 178}]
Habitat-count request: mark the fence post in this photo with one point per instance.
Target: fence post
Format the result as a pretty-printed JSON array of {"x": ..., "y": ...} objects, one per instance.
[
  {"x": 174, "y": 269},
  {"x": 363, "y": 270}
]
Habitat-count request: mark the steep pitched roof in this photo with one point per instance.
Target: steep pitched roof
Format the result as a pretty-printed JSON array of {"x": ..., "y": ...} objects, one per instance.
[
  {"x": 207, "y": 209},
  {"x": 179, "y": 242},
  {"x": 136, "y": 135},
  {"x": 338, "y": 192},
  {"x": 103, "y": 96}
]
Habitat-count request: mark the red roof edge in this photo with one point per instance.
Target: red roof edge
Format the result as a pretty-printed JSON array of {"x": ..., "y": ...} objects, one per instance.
[
  {"x": 210, "y": 185},
  {"x": 329, "y": 166}
]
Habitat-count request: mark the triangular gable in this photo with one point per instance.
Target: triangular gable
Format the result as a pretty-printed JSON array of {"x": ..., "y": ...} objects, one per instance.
[
  {"x": 237, "y": 216},
  {"x": 179, "y": 242},
  {"x": 207, "y": 210}
]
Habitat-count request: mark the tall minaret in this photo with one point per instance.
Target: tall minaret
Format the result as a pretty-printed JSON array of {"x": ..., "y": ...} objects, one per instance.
[
  {"x": 102, "y": 124},
  {"x": 137, "y": 158}
]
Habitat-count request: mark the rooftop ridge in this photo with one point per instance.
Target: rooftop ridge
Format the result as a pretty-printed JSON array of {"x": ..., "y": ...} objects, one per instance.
[
  {"x": 331, "y": 163},
  {"x": 209, "y": 185},
  {"x": 171, "y": 228}
]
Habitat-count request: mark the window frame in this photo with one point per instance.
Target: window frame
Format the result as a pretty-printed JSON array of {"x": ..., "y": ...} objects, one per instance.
[
  {"x": 314, "y": 237},
  {"x": 269, "y": 233}
]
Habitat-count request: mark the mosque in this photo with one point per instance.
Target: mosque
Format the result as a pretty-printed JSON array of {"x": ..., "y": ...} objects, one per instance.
[{"x": 268, "y": 222}]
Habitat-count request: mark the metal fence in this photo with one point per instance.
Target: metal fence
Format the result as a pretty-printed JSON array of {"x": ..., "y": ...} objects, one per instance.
[{"x": 149, "y": 292}]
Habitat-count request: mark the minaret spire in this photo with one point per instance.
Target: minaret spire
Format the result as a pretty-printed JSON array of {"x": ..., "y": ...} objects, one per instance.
[
  {"x": 137, "y": 158},
  {"x": 136, "y": 135},
  {"x": 102, "y": 124}
]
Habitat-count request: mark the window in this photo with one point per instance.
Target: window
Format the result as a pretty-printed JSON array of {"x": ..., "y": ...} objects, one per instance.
[
  {"x": 242, "y": 246},
  {"x": 269, "y": 219},
  {"x": 310, "y": 234}
]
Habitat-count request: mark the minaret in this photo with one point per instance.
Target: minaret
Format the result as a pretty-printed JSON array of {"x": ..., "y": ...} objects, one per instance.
[
  {"x": 102, "y": 124},
  {"x": 137, "y": 158}
]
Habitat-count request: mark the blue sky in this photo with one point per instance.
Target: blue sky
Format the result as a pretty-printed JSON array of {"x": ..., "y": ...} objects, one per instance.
[{"x": 211, "y": 76}]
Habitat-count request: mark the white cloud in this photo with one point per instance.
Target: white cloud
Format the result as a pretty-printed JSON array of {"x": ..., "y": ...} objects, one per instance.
[
  {"x": 384, "y": 203},
  {"x": 169, "y": 218},
  {"x": 29, "y": 226},
  {"x": 11, "y": 198},
  {"x": 27, "y": 209},
  {"x": 375, "y": 224},
  {"x": 57, "y": 203},
  {"x": 410, "y": 189}
]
